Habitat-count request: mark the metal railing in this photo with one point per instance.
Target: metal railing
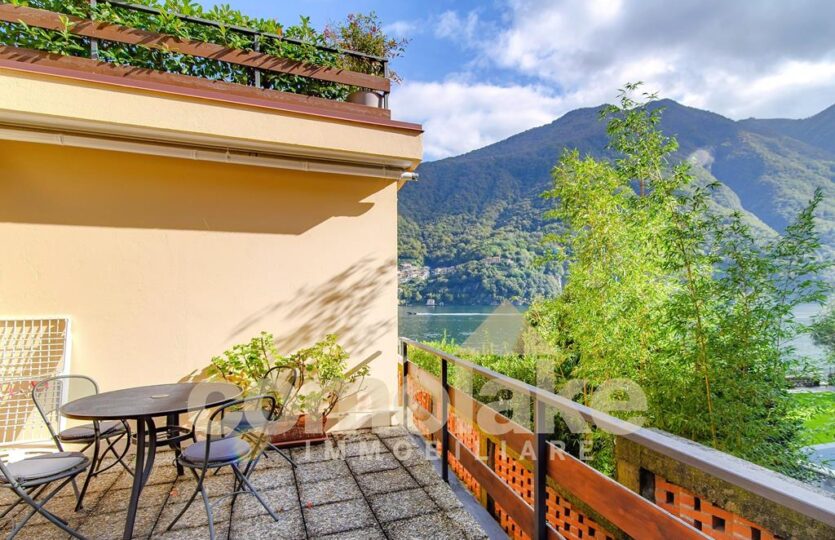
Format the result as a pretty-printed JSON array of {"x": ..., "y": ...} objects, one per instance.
[
  {"x": 771, "y": 486},
  {"x": 98, "y": 32},
  {"x": 240, "y": 29}
]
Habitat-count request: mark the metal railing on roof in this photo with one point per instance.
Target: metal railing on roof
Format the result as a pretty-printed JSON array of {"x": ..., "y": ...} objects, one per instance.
[
  {"x": 259, "y": 62},
  {"x": 241, "y": 29}
]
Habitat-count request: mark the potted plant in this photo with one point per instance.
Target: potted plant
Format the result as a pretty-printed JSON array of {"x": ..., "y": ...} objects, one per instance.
[
  {"x": 324, "y": 379},
  {"x": 246, "y": 364},
  {"x": 364, "y": 33}
]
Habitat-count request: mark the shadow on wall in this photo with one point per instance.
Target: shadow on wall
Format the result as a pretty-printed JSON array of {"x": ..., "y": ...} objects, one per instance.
[
  {"x": 48, "y": 184},
  {"x": 339, "y": 305}
]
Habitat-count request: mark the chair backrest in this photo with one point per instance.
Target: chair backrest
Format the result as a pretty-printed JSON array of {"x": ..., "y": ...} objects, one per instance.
[
  {"x": 255, "y": 407},
  {"x": 279, "y": 383},
  {"x": 50, "y": 394}
]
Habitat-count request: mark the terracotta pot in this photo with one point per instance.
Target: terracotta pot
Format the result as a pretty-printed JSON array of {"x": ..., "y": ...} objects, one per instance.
[
  {"x": 367, "y": 98},
  {"x": 296, "y": 431}
]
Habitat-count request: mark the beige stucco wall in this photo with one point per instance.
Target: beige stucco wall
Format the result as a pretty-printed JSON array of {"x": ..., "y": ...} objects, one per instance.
[
  {"x": 35, "y": 99},
  {"x": 163, "y": 262}
]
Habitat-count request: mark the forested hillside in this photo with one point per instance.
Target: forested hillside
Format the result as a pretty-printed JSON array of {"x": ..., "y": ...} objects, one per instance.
[{"x": 471, "y": 228}]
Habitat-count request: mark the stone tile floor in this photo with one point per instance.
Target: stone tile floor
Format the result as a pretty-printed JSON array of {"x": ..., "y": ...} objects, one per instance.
[{"x": 370, "y": 484}]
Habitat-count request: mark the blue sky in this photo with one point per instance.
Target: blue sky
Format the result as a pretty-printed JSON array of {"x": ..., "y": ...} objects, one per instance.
[
  {"x": 428, "y": 58},
  {"x": 478, "y": 72}
]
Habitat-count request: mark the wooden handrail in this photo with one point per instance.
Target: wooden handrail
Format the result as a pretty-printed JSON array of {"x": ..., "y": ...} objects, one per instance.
[
  {"x": 748, "y": 476},
  {"x": 50, "y": 20},
  {"x": 624, "y": 508}
]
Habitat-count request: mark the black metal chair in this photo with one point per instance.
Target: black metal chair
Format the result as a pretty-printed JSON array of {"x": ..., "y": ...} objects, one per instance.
[
  {"x": 223, "y": 446},
  {"x": 279, "y": 383},
  {"x": 30, "y": 478},
  {"x": 50, "y": 394}
]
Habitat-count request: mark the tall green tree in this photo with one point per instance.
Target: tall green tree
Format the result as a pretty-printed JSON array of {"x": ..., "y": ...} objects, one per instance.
[
  {"x": 823, "y": 334},
  {"x": 687, "y": 303}
]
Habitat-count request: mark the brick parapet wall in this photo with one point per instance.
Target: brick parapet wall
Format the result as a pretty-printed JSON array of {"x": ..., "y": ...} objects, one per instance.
[
  {"x": 705, "y": 516},
  {"x": 718, "y": 508}
]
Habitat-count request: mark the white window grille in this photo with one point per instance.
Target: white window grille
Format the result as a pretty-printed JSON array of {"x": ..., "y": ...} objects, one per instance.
[{"x": 30, "y": 350}]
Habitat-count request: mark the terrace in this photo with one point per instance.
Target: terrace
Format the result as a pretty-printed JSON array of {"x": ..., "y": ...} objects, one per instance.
[
  {"x": 273, "y": 206},
  {"x": 360, "y": 484},
  {"x": 478, "y": 463}
]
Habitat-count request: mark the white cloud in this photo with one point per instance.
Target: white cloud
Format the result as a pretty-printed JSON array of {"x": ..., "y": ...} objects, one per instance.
[
  {"x": 458, "y": 116},
  {"x": 741, "y": 59},
  {"x": 402, "y": 29},
  {"x": 452, "y": 26},
  {"x": 738, "y": 58}
]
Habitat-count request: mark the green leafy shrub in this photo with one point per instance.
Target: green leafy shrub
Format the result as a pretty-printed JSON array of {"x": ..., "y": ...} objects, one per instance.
[
  {"x": 364, "y": 33},
  {"x": 325, "y": 365},
  {"x": 246, "y": 364},
  {"x": 687, "y": 303},
  {"x": 299, "y": 42},
  {"x": 324, "y": 377}
]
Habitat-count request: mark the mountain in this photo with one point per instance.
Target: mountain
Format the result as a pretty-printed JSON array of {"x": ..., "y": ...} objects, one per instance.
[
  {"x": 471, "y": 228},
  {"x": 818, "y": 130}
]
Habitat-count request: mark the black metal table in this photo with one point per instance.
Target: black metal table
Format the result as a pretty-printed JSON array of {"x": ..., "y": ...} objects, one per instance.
[{"x": 143, "y": 404}]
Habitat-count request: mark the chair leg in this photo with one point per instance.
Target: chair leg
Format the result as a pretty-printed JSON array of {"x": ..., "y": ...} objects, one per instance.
[
  {"x": 121, "y": 457},
  {"x": 188, "y": 504},
  {"x": 61, "y": 524},
  {"x": 250, "y": 466},
  {"x": 33, "y": 494},
  {"x": 128, "y": 439},
  {"x": 111, "y": 448},
  {"x": 38, "y": 507},
  {"x": 10, "y": 508},
  {"x": 282, "y": 454},
  {"x": 171, "y": 421},
  {"x": 75, "y": 490},
  {"x": 30, "y": 514},
  {"x": 91, "y": 472},
  {"x": 208, "y": 512},
  {"x": 235, "y": 492},
  {"x": 245, "y": 482}
]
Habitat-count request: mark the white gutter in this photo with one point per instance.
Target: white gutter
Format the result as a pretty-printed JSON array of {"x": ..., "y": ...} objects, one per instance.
[{"x": 231, "y": 156}]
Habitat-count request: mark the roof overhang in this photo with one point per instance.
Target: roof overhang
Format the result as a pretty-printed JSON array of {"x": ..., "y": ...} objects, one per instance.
[
  {"x": 56, "y": 108},
  {"x": 201, "y": 149}
]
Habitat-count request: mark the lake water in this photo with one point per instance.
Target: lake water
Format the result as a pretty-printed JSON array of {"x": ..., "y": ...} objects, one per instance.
[
  {"x": 477, "y": 327},
  {"x": 497, "y": 328}
]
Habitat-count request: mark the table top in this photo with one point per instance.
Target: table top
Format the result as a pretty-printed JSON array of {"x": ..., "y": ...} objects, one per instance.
[{"x": 149, "y": 401}]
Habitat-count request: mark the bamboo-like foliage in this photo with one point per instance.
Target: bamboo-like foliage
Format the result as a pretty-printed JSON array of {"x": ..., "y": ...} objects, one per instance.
[
  {"x": 823, "y": 333},
  {"x": 687, "y": 303}
]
